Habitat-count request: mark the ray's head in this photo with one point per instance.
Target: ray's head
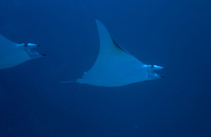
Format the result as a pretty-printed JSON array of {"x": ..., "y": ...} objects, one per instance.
[
  {"x": 27, "y": 45},
  {"x": 151, "y": 71}
]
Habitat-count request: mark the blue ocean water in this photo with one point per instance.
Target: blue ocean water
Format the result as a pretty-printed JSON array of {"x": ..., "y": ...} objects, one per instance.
[{"x": 173, "y": 34}]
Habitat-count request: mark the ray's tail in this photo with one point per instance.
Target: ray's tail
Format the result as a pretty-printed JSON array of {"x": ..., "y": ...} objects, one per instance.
[{"x": 67, "y": 81}]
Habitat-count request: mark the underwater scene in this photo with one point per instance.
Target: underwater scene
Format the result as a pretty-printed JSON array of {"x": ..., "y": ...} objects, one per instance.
[{"x": 105, "y": 68}]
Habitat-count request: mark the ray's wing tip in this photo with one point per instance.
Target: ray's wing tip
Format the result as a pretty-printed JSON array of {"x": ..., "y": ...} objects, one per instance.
[{"x": 97, "y": 21}]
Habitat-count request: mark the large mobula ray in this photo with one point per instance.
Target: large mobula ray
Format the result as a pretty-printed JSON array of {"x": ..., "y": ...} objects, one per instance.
[{"x": 115, "y": 66}]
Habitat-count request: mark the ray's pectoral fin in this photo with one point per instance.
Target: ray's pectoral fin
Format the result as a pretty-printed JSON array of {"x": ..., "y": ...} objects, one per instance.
[{"x": 110, "y": 51}]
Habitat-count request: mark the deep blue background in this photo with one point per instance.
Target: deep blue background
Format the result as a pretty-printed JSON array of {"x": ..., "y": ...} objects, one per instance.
[{"x": 174, "y": 34}]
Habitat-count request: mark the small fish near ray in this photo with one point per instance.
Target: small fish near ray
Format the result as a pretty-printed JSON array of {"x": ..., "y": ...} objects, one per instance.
[
  {"x": 13, "y": 54},
  {"x": 115, "y": 66}
]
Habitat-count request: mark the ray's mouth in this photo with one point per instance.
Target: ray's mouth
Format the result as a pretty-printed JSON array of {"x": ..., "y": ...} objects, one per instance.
[{"x": 152, "y": 74}]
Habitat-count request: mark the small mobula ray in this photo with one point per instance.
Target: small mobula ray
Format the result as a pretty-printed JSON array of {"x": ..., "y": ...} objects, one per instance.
[{"x": 12, "y": 54}]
